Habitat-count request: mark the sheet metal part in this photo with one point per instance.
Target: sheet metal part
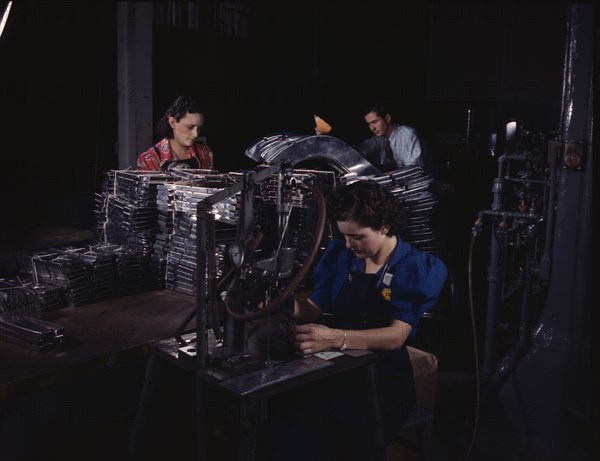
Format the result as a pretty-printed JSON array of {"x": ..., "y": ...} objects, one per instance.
[
  {"x": 153, "y": 213},
  {"x": 302, "y": 148},
  {"x": 20, "y": 306},
  {"x": 30, "y": 332}
]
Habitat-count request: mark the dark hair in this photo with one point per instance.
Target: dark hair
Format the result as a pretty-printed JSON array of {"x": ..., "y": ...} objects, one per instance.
[
  {"x": 181, "y": 106},
  {"x": 368, "y": 204},
  {"x": 375, "y": 106}
]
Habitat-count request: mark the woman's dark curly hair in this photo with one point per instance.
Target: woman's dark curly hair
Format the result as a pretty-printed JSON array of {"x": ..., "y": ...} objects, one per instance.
[
  {"x": 181, "y": 106},
  {"x": 368, "y": 204}
]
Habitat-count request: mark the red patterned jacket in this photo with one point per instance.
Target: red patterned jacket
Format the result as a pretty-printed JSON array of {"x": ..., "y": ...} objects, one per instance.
[{"x": 160, "y": 153}]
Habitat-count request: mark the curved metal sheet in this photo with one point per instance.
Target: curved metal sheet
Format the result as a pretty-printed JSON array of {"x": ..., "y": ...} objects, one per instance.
[{"x": 300, "y": 148}]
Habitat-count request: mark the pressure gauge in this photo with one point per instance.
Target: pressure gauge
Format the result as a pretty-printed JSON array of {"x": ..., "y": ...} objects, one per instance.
[{"x": 235, "y": 253}]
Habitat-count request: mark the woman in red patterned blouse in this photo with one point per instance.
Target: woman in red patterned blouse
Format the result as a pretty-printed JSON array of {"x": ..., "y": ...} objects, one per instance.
[{"x": 179, "y": 128}]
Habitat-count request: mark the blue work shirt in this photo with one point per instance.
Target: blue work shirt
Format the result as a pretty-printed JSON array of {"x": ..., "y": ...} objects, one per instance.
[{"x": 411, "y": 281}]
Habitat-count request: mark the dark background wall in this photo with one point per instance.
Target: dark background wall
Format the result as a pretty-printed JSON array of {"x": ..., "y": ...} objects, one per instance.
[
  {"x": 58, "y": 87},
  {"x": 268, "y": 68}
]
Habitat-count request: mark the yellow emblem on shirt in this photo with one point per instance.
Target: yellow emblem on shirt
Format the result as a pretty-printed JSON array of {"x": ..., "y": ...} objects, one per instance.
[{"x": 386, "y": 293}]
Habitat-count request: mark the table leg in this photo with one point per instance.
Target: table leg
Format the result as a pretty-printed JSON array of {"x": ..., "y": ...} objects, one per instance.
[
  {"x": 248, "y": 429},
  {"x": 376, "y": 420}
]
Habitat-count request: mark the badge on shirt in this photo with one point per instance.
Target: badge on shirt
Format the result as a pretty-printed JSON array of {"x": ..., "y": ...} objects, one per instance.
[
  {"x": 387, "y": 294},
  {"x": 387, "y": 278}
]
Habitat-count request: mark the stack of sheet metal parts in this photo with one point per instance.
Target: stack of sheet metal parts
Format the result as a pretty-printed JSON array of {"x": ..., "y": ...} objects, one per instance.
[
  {"x": 18, "y": 297},
  {"x": 126, "y": 214},
  {"x": 80, "y": 276},
  {"x": 178, "y": 215},
  {"x": 154, "y": 214},
  {"x": 48, "y": 296},
  {"x": 19, "y": 317},
  {"x": 100, "y": 260},
  {"x": 303, "y": 215},
  {"x": 411, "y": 185},
  {"x": 59, "y": 268},
  {"x": 113, "y": 270},
  {"x": 126, "y": 208}
]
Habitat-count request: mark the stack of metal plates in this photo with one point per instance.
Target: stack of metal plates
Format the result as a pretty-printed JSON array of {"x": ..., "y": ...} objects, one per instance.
[
  {"x": 129, "y": 269},
  {"x": 126, "y": 211},
  {"x": 411, "y": 186},
  {"x": 181, "y": 263},
  {"x": 18, "y": 298},
  {"x": 19, "y": 317},
  {"x": 127, "y": 214},
  {"x": 58, "y": 268},
  {"x": 100, "y": 262},
  {"x": 30, "y": 332},
  {"x": 303, "y": 215},
  {"x": 182, "y": 254},
  {"x": 71, "y": 273},
  {"x": 154, "y": 214},
  {"x": 49, "y": 296},
  {"x": 178, "y": 206}
]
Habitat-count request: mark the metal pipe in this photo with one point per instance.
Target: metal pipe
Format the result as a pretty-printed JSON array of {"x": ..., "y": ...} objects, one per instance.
[
  {"x": 546, "y": 260},
  {"x": 509, "y": 362},
  {"x": 494, "y": 279}
]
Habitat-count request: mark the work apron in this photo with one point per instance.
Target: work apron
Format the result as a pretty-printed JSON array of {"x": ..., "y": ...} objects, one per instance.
[
  {"x": 329, "y": 419},
  {"x": 360, "y": 305}
]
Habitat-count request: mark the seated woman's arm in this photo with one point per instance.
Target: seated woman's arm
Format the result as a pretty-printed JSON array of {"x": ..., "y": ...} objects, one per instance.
[
  {"x": 304, "y": 309},
  {"x": 312, "y": 337}
]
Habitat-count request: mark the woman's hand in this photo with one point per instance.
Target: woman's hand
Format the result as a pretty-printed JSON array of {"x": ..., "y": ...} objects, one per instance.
[{"x": 313, "y": 337}]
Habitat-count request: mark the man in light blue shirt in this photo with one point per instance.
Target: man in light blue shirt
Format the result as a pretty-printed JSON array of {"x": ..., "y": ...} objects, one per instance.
[{"x": 393, "y": 146}]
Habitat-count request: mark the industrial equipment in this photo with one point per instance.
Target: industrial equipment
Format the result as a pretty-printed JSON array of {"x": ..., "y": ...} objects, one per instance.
[{"x": 281, "y": 231}]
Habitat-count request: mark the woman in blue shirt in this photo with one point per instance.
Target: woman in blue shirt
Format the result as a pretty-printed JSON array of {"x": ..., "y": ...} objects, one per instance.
[{"x": 377, "y": 287}]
